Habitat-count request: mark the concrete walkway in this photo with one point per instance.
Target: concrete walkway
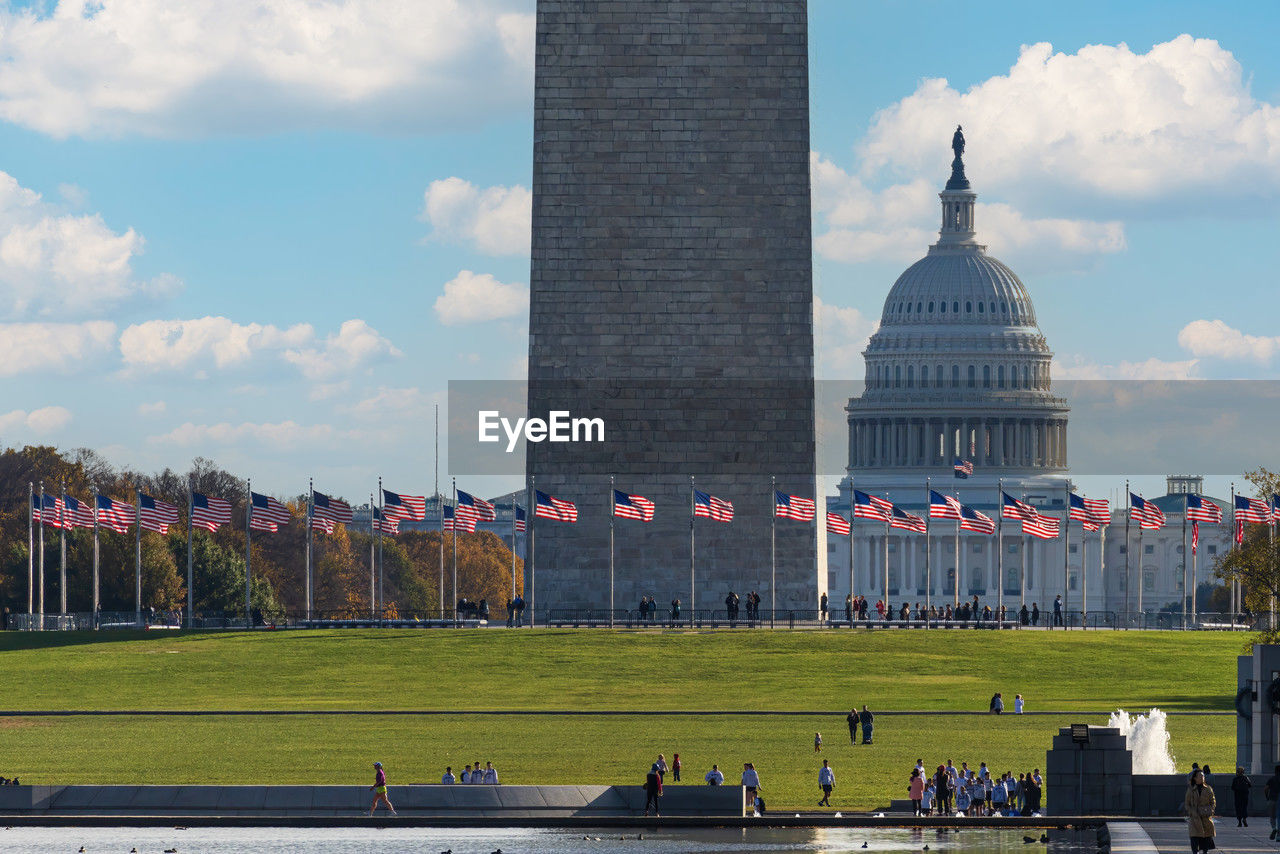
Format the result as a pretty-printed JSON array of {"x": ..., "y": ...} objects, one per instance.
[{"x": 1170, "y": 837}]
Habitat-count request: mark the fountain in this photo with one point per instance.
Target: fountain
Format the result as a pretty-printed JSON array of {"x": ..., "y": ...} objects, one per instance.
[{"x": 1148, "y": 739}]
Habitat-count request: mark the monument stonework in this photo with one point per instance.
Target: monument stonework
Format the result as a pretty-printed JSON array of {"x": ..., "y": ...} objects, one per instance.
[{"x": 671, "y": 295}]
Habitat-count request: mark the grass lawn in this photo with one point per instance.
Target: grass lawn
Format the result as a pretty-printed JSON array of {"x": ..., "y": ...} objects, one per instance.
[{"x": 588, "y": 670}]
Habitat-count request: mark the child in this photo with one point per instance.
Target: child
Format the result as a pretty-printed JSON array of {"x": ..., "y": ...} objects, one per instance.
[
  {"x": 926, "y": 800},
  {"x": 962, "y": 799},
  {"x": 817, "y": 742}
]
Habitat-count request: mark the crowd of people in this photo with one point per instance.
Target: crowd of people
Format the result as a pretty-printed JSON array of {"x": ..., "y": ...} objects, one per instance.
[
  {"x": 5, "y": 781},
  {"x": 966, "y": 791},
  {"x": 859, "y": 609},
  {"x": 472, "y": 775}
]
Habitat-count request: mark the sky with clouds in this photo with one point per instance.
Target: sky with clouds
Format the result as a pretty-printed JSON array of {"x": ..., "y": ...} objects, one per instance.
[{"x": 270, "y": 232}]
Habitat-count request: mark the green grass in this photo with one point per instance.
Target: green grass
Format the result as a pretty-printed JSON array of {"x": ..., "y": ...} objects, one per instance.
[{"x": 588, "y": 670}]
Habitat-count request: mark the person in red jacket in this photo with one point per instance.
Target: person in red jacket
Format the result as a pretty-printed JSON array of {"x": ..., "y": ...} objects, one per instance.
[{"x": 652, "y": 789}]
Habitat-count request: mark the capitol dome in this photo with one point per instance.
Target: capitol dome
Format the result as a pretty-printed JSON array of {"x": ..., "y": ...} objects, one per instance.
[{"x": 958, "y": 367}]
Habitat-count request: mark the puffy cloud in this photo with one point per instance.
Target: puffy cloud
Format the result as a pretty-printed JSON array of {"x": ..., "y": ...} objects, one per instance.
[
  {"x": 232, "y": 66},
  {"x": 217, "y": 342},
  {"x": 1105, "y": 121},
  {"x": 1079, "y": 368},
  {"x": 1215, "y": 339},
  {"x": 37, "y": 422},
  {"x": 282, "y": 435},
  {"x": 57, "y": 263},
  {"x": 494, "y": 220},
  {"x": 472, "y": 298},
  {"x": 899, "y": 221},
  {"x": 840, "y": 336},
  {"x": 57, "y": 347}
]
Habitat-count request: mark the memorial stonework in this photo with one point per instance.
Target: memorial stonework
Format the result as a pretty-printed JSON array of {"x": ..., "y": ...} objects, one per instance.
[{"x": 671, "y": 295}]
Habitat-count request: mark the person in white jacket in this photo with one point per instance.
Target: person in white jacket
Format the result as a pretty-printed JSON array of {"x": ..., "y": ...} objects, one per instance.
[
  {"x": 490, "y": 774},
  {"x": 826, "y": 780},
  {"x": 714, "y": 777}
]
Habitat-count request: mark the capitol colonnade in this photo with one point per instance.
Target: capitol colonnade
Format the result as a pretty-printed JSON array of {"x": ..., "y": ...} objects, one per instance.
[{"x": 894, "y": 441}]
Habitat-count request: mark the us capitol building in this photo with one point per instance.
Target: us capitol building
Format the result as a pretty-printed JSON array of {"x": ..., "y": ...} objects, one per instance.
[{"x": 959, "y": 369}]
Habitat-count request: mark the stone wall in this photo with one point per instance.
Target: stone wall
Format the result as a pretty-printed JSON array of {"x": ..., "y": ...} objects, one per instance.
[{"x": 671, "y": 292}]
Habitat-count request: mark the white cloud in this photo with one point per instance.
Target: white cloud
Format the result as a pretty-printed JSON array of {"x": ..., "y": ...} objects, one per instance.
[
  {"x": 231, "y": 66},
  {"x": 472, "y": 298},
  {"x": 1105, "y": 121},
  {"x": 1215, "y": 339},
  {"x": 898, "y": 222},
  {"x": 840, "y": 336},
  {"x": 1079, "y": 368},
  {"x": 493, "y": 220},
  {"x": 401, "y": 404},
  {"x": 219, "y": 343},
  {"x": 38, "y": 422},
  {"x": 53, "y": 263},
  {"x": 155, "y": 408},
  {"x": 284, "y": 435},
  {"x": 53, "y": 347}
]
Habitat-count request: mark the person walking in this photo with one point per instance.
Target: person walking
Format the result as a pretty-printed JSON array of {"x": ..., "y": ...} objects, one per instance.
[
  {"x": 1057, "y": 610},
  {"x": 379, "y": 789},
  {"x": 675, "y": 767},
  {"x": 915, "y": 790},
  {"x": 1035, "y": 614},
  {"x": 1200, "y": 805},
  {"x": 852, "y": 720},
  {"x": 1240, "y": 789},
  {"x": 817, "y": 742},
  {"x": 652, "y": 789},
  {"x": 867, "y": 720},
  {"x": 826, "y": 781},
  {"x": 822, "y": 608},
  {"x": 662, "y": 766},
  {"x": 848, "y": 609}
]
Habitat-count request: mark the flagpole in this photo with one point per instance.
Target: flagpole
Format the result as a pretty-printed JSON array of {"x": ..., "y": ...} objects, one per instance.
[
  {"x": 311, "y": 510},
  {"x": 454, "y": 593},
  {"x": 40, "y": 588},
  {"x": 1194, "y": 583},
  {"x": 928, "y": 555},
  {"x": 440, "y": 509},
  {"x": 886, "y": 561},
  {"x": 514, "y": 508},
  {"x": 62, "y": 548},
  {"x": 1128, "y": 573},
  {"x": 1066, "y": 558},
  {"x": 1235, "y": 545},
  {"x": 613, "y": 509},
  {"x": 248, "y": 543},
  {"x": 533, "y": 565},
  {"x": 955, "y": 491},
  {"x": 96, "y": 602},
  {"x": 1186, "y": 504},
  {"x": 693, "y": 585},
  {"x": 1102, "y": 557},
  {"x": 191, "y": 506},
  {"x": 999, "y": 545},
  {"x": 1022, "y": 554},
  {"x": 382, "y": 523},
  {"x": 137, "y": 563},
  {"x": 373, "y": 595},
  {"x": 773, "y": 551},
  {"x": 31, "y": 548},
  {"x": 852, "y": 575},
  {"x": 1142, "y": 581}
]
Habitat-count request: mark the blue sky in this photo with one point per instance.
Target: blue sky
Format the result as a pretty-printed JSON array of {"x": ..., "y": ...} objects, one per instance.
[{"x": 226, "y": 229}]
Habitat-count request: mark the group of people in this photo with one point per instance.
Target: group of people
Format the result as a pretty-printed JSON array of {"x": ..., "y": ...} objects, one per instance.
[
  {"x": 865, "y": 719},
  {"x": 996, "y": 706},
  {"x": 5, "y": 781},
  {"x": 488, "y": 774},
  {"x": 469, "y": 610},
  {"x": 515, "y": 611},
  {"x": 973, "y": 792},
  {"x": 654, "y": 779},
  {"x": 733, "y": 602},
  {"x": 858, "y": 608}
]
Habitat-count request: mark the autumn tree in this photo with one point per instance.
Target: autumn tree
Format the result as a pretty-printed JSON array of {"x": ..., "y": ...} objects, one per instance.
[{"x": 1255, "y": 563}]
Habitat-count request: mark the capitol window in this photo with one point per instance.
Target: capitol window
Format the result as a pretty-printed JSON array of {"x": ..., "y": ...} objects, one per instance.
[
  {"x": 973, "y": 376},
  {"x": 1004, "y": 307},
  {"x": 955, "y": 376},
  {"x": 980, "y": 306},
  {"x": 968, "y": 307},
  {"x": 944, "y": 308},
  {"x": 931, "y": 306},
  {"x": 955, "y": 306},
  {"x": 986, "y": 376},
  {"x": 911, "y": 376},
  {"x": 1000, "y": 377}
]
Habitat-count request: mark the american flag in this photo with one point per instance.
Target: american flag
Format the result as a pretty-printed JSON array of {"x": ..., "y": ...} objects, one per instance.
[
  {"x": 52, "y": 516},
  {"x": 35, "y": 507},
  {"x": 1012, "y": 508},
  {"x": 155, "y": 515},
  {"x": 793, "y": 507},
  {"x": 1092, "y": 513},
  {"x": 322, "y": 523},
  {"x": 398, "y": 506},
  {"x": 547, "y": 507},
  {"x": 944, "y": 506},
  {"x": 867, "y": 506},
  {"x": 1148, "y": 514},
  {"x": 1275, "y": 507},
  {"x": 115, "y": 515},
  {"x": 1252, "y": 510},
  {"x": 79, "y": 514},
  {"x": 477, "y": 508},
  {"x": 908, "y": 521},
  {"x": 208, "y": 512},
  {"x": 1200, "y": 509},
  {"x": 267, "y": 514},
  {"x": 465, "y": 523},
  {"x": 1239, "y": 532},
  {"x": 964, "y": 468},
  {"x": 520, "y": 517},
  {"x": 331, "y": 509},
  {"x": 626, "y": 506},
  {"x": 838, "y": 525},
  {"x": 1195, "y": 536},
  {"x": 974, "y": 520},
  {"x": 710, "y": 507},
  {"x": 1044, "y": 527},
  {"x": 390, "y": 525}
]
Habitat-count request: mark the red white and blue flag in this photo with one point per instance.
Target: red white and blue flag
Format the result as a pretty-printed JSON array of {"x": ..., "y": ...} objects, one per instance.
[
  {"x": 908, "y": 521},
  {"x": 330, "y": 510},
  {"x": 1148, "y": 514},
  {"x": 1252, "y": 510},
  {"x": 1012, "y": 508},
  {"x": 397, "y": 506},
  {"x": 1201, "y": 509},
  {"x": 78, "y": 513},
  {"x": 710, "y": 507},
  {"x": 267, "y": 514},
  {"x": 1044, "y": 527},
  {"x": 964, "y": 468},
  {"x": 477, "y": 508},
  {"x": 838, "y": 525},
  {"x": 520, "y": 519},
  {"x": 208, "y": 512},
  {"x": 115, "y": 515},
  {"x": 1195, "y": 536},
  {"x": 944, "y": 506},
  {"x": 548, "y": 507},
  {"x": 1092, "y": 513},
  {"x": 627, "y": 506},
  {"x": 464, "y": 523},
  {"x": 867, "y": 506},
  {"x": 156, "y": 515},
  {"x": 52, "y": 515},
  {"x": 1275, "y": 507},
  {"x": 974, "y": 520},
  {"x": 793, "y": 507},
  {"x": 390, "y": 525}
]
